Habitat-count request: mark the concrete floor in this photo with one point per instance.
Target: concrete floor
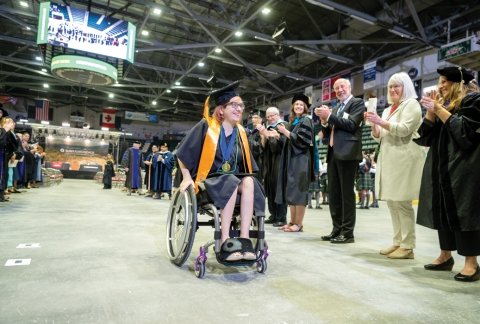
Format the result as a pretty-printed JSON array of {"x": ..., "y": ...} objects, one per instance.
[{"x": 102, "y": 259}]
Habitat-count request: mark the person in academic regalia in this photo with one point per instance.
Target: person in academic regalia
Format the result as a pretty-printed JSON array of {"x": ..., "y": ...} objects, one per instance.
[
  {"x": 254, "y": 140},
  {"x": 296, "y": 163},
  {"x": 108, "y": 172},
  {"x": 6, "y": 126},
  {"x": 132, "y": 161},
  {"x": 449, "y": 200},
  {"x": 151, "y": 171},
  {"x": 216, "y": 153},
  {"x": 272, "y": 143},
  {"x": 166, "y": 162}
]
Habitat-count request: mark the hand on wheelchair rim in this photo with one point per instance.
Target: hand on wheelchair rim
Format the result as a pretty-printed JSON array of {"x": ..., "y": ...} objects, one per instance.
[{"x": 185, "y": 184}]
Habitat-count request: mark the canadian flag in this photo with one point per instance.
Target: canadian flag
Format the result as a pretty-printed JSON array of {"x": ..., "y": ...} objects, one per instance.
[{"x": 108, "y": 117}]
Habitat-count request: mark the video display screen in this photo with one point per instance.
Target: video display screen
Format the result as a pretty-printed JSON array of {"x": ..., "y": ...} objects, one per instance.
[{"x": 66, "y": 26}]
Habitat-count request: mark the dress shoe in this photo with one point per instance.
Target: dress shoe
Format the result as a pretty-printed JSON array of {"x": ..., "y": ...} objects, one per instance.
[
  {"x": 270, "y": 221},
  {"x": 329, "y": 237},
  {"x": 389, "y": 250},
  {"x": 474, "y": 277},
  {"x": 401, "y": 253},
  {"x": 318, "y": 207},
  {"x": 341, "y": 239},
  {"x": 444, "y": 266},
  {"x": 278, "y": 224}
]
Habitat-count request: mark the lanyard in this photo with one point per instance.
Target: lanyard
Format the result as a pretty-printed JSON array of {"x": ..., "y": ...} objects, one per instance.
[{"x": 227, "y": 149}]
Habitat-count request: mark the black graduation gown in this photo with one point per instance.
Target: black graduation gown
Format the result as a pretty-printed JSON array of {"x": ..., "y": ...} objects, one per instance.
[
  {"x": 449, "y": 193},
  {"x": 272, "y": 153},
  {"x": 296, "y": 165},
  {"x": 220, "y": 187},
  {"x": 108, "y": 174}
]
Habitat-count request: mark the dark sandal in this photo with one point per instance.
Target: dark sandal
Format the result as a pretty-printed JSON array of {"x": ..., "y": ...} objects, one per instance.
[
  {"x": 282, "y": 228},
  {"x": 294, "y": 228}
]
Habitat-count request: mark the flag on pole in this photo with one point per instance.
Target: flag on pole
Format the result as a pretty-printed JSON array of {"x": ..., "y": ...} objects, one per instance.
[
  {"x": 42, "y": 108},
  {"x": 108, "y": 117}
]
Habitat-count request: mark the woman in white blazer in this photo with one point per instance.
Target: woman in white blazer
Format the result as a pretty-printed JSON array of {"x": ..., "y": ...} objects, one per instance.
[{"x": 400, "y": 161}]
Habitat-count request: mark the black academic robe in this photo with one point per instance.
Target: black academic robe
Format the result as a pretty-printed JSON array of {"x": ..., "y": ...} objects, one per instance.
[
  {"x": 108, "y": 174},
  {"x": 272, "y": 153},
  {"x": 449, "y": 193},
  {"x": 296, "y": 165},
  {"x": 254, "y": 140},
  {"x": 219, "y": 186}
]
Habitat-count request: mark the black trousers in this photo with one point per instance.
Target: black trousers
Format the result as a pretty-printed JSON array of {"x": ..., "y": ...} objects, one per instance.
[
  {"x": 341, "y": 194},
  {"x": 466, "y": 243},
  {"x": 278, "y": 211}
]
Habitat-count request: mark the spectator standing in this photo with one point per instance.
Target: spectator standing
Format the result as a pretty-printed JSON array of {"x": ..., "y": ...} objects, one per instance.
[
  {"x": 399, "y": 162},
  {"x": 132, "y": 161},
  {"x": 108, "y": 172},
  {"x": 342, "y": 126}
]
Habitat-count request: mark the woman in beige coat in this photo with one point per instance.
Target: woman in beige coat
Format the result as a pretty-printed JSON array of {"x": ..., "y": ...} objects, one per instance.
[{"x": 400, "y": 161}]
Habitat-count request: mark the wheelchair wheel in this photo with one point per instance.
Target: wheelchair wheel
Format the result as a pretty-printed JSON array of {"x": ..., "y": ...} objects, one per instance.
[
  {"x": 181, "y": 225},
  {"x": 199, "y": 269},
  {"x": 261, "y": 266}
]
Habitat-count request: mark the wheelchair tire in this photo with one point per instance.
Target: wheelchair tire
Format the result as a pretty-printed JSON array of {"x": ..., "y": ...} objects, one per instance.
[
  {"x": 181, "y": 225},
  {"x": 261, "y": 266},
  {"x": 199, "y": 268}
]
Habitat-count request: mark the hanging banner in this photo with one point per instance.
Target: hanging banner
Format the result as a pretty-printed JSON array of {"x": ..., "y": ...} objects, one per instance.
[
  {"x": 369, "y": 75},
  {"x": 108, "y": 117},
  {"x": 326, "y": 90}
]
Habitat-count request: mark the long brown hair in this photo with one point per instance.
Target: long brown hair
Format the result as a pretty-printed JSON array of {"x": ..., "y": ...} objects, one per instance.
[
  {"x": 455, "y": 95},
  {"x": 292, "y": 111}
]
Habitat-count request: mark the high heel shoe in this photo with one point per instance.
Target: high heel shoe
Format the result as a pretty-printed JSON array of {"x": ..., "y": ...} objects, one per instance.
[
  {"x": 474, "y": 277},
  {"x": 444, "y": 266}
]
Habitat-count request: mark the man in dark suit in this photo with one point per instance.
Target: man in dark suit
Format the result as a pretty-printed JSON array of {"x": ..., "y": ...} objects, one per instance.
[{"x": 342, "y": 126}]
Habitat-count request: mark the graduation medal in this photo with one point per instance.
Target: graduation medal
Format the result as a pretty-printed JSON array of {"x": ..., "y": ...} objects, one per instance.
[{"x": 226, "y": 167}]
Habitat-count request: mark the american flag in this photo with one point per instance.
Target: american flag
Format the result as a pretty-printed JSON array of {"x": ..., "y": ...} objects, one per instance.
[{"x": 41, "y": 109}]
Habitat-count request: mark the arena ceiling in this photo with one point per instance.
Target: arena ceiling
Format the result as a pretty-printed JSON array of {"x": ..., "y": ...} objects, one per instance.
[{"x": 321, "y": 38}]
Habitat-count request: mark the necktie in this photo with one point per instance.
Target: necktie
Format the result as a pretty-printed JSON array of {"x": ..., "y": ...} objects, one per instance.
[
  {"x": 340, "y": 109},
  {"x": 339, "y": 113}
]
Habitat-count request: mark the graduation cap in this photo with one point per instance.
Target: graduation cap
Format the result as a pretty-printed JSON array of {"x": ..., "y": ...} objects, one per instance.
[
  {"x": 301, "y": 97},
  {"x": 223, "y": 95},
  {"x": 456, "y": 74},
  {"x": 220, "y": 97},
  {"x": 164, "y": 145},
  {"x": 137, "y": 142}
]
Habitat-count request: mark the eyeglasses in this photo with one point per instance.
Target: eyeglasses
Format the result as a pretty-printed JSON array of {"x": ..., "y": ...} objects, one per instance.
[{"x": 236, "y": 105}]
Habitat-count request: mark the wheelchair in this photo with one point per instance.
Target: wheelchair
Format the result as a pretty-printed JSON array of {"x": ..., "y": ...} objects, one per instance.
[{"x": 182, "y": 224}]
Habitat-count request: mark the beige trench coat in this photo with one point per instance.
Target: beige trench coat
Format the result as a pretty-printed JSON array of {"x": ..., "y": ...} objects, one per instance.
[{"x": 400, "y": 162}]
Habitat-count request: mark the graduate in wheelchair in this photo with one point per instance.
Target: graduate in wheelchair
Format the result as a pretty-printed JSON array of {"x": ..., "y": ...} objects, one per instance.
[{"x": 217, "y": 174}]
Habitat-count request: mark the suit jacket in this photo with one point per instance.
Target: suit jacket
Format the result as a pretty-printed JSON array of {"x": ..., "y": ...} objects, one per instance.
[{"x": 347, "y": 137}]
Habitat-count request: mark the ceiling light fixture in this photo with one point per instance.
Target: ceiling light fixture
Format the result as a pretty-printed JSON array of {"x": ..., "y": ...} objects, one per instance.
[
  {"x": 218, "y": 50},
  {"x": 157, "y": 11},
  {"x": 24, "y": 4},
  {"x": 46, "y": 86},
  {"x": 154, "y": 103},
  {"x": 145, "y": 32},
  {"x": 111, "y": 95},
  {"x": 337, "y": 59},
  {"x": 238, "y": 33},
  {"x": 201, "y": 64},
  {"x": 266, "y": 11},
  {"x": 278, "y": 34},
  {"x": 169, "y": 91},
  {"x": 177, "y": 83}
]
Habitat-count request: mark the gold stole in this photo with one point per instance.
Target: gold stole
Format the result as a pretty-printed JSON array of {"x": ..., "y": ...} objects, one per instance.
[{"x": 210, "y": 146}]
